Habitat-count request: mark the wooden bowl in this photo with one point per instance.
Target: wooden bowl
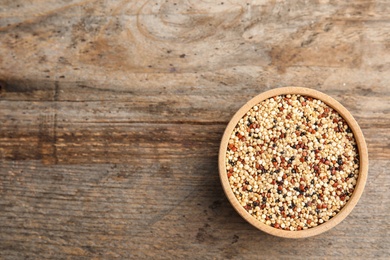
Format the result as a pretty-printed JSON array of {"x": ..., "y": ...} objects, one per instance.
[{"x": 363, "y": 169}]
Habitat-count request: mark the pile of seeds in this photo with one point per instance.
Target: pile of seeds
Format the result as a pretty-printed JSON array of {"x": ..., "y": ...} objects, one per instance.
[{"x": 292, "y": 162}]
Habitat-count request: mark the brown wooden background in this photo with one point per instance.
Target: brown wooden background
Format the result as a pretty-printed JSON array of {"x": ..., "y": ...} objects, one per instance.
[{"x": 111, "y": 114}]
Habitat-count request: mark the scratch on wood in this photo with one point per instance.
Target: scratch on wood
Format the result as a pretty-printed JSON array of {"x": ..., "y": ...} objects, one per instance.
[{"x": 54, "y": 141}]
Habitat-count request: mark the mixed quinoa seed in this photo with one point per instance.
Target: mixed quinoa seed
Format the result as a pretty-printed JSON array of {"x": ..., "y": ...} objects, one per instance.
[{"x": 292, "y": 162}]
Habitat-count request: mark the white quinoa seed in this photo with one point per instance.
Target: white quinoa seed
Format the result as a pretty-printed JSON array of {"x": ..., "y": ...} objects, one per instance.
[{"x": 292, "y": 162}]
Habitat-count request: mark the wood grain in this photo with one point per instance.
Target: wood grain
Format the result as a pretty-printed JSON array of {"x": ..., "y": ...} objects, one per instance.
[{"x": 111, "y": 114}]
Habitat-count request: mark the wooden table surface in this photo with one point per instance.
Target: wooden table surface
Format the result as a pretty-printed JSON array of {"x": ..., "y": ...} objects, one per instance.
[{"x": 111, "y": 114}]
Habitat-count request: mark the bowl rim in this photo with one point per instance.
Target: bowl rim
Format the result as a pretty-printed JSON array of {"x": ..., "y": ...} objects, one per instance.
[{"x": 363, "y": 158}]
